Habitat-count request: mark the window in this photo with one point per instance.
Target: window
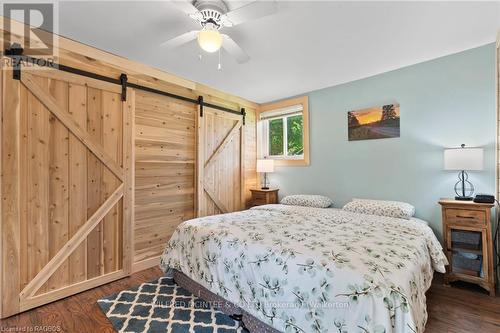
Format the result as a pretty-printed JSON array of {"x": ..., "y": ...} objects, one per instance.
[
  {"x": 283, "y": 132},
  {"x": 285, "y": 136}
]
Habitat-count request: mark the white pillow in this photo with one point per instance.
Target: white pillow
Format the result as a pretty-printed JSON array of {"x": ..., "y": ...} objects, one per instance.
[
  {"x": 396, "y": 209},
  {"x": 306, "y": 200}
]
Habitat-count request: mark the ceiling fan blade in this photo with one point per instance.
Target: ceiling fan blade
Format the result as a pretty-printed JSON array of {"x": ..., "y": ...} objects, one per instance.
[
  {"x": 186, "y": 6},
  {"x": 234, "y": 49},
  {"x": 180, "y": 40},
  {"x": 250, "y": 12}
]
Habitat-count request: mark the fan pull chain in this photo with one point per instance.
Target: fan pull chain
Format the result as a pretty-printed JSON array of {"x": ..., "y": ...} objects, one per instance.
[{"x": 219, "y": 67}]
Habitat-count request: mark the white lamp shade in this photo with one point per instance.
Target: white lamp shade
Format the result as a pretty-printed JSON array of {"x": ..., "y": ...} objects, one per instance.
[
  {"x": 468, "y": 159},
  {"x": 265, "y": 165}
]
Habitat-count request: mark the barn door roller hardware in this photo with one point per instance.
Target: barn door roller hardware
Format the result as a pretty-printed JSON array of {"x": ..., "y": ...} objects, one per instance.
[
  {"x": 123, "y": 81},
  {"x": 16, "y": 53},
  {"x": 200, "y": 103},
  {"x": 243, "y": 114}
]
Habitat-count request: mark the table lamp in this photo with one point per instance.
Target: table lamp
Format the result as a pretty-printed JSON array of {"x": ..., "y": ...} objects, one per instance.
[
  {"x": 265, "y": 166},
  {"x": 463, "y": 159}
]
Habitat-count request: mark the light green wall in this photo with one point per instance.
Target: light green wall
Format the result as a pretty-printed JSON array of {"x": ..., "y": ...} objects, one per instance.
[{"x": 444, "y": 102}]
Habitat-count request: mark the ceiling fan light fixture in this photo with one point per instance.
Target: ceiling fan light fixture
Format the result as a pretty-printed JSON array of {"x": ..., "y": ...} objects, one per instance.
[{"x": 209, "y": 39}]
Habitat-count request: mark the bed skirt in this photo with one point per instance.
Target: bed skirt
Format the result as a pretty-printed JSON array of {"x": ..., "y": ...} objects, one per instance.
[{"x": 251, "y": 323}]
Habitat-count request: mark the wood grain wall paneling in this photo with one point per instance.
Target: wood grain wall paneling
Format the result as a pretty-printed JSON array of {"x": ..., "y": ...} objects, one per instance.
[
  {"x": 164, "y": 170},
  {"x": 250, "y": 155}
]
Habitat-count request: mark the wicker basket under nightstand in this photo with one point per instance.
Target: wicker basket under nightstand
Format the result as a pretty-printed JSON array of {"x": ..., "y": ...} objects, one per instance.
[{"x": 468, "y": 242}]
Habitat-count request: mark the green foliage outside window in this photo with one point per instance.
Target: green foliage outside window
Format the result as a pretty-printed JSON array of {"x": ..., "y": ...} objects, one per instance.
[
  {"x": 294, "y": 133},
  {"x": 276, "y": 137}
]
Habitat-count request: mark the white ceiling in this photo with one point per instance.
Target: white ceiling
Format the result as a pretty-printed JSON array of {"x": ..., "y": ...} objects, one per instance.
[{"x": 307, "y": 45}]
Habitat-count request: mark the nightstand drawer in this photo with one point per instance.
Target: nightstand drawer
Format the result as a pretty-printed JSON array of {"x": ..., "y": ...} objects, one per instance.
[
  {"x": 260, "y": 196},
  {"x": 260, "y": 201},
  {"x": 466, "y": 217}
]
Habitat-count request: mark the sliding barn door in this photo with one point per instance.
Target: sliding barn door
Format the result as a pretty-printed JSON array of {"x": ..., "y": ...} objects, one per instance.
[
  {"x": 66, "y": 186},
  {"x": 219, "y": 162}
]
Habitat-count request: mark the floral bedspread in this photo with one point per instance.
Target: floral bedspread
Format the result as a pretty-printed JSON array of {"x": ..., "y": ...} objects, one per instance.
[{"x": 313, "y": 269}]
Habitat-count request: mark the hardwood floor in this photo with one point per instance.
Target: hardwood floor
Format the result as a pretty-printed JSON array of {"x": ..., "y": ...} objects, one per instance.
[
  {"x": 459, "y": 309},
  {"x": 463, "y": 308}
]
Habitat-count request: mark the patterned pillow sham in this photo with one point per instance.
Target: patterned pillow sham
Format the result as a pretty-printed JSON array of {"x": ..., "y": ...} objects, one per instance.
[
  {"x": 317, "y": 201},
  {"x": 395, "y": 209}
]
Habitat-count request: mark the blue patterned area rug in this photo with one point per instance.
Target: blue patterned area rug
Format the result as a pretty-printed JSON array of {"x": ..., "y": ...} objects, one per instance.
[{"x": 163, "y": 306}]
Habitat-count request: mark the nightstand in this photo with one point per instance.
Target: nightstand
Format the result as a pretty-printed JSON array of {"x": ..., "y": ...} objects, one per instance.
[
  {"x": 264, "y": 197},
  {"x": 468, "y": 242}
]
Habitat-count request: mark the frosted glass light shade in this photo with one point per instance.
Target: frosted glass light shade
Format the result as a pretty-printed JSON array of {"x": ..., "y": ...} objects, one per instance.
[
  {"x": 468, "y": 159},
  {"x": 265, "y": 165},
  {"x": 209, "y": 39}
]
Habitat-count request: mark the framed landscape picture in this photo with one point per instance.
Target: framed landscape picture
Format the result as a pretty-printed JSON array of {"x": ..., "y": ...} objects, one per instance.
[{"x": 374, "y": 123}]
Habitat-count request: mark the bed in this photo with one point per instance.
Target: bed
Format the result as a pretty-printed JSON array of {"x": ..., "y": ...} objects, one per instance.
[{"x": 301, "y": 269}]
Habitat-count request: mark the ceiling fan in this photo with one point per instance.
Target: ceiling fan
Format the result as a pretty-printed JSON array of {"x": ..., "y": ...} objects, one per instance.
[{"x": 213, "y": 15}]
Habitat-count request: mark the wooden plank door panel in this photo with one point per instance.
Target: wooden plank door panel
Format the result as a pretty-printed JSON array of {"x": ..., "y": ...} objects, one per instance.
[
  {"x": 58, "y": 236},
  {"x": 219, "y": 162},
  {"x": 94, "y": 180},
  {"x": 70, "y": 157},
  {"x": 112, "y": 128},
  {"x": 78, "y": 166},
  {"x": 11, "y": 192},
  {"x": 58, "y": 187},
  {"x": 37, "y": 183}
]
